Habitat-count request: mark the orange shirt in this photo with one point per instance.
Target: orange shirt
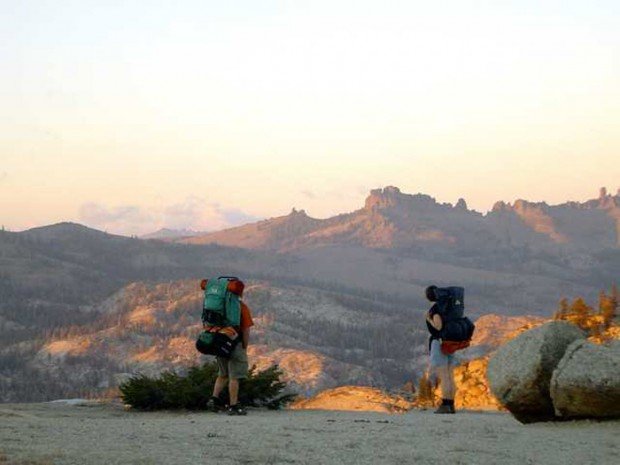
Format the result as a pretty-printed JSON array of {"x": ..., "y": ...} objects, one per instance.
[{"x": 246, "y": 317}]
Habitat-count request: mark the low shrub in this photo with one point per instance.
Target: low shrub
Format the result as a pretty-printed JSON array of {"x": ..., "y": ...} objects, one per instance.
[{"x": 192, "y": 391}]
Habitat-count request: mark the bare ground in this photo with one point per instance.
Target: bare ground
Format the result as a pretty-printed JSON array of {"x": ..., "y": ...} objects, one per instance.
[{"x": 93, "y": 433}]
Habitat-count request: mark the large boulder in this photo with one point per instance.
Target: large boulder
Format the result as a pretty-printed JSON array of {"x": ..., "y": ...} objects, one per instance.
[
  {"x": 586, "y": 382},
  {"x": 520, "y": 371}
]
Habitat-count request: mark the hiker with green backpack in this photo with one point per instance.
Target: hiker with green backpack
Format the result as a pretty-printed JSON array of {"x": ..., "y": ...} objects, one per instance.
[
  {"x": 226, "y": 321},
  {"x": 449, "y": 331}
]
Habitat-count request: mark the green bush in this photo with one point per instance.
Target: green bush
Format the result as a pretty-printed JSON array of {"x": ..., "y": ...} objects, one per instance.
[{"x": 192, "y": 391}]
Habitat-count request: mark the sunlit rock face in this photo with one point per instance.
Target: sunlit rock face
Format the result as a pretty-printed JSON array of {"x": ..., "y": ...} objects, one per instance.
[
  {"x": 473, "y": 390},
  {"x": 494, "y": 330},
  {"x": 355, "y": 398},
  {"x": 538, "y": 218},
  {"x": 62, "y": 348},
  {"x": 305, "y": 371}
]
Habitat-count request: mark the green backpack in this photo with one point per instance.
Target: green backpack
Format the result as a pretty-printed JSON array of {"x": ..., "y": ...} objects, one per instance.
[{"x": 221, "y": 305}]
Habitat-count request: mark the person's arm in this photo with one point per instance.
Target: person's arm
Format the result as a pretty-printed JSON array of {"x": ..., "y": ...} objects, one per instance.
[
  {"x": 245, "y": 337},
  {"x": 246, "y": 324},
  {"x": 434, "y": 320}
]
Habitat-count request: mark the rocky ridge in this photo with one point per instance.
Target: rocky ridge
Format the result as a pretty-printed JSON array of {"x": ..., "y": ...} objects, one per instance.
[{"x": 392, "y": 219}]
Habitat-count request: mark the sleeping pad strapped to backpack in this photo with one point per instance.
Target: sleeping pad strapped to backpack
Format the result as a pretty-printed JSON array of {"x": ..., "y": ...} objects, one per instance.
[
  {"x": 221, "y": 315},
  {"x": 457, "y": 329}
]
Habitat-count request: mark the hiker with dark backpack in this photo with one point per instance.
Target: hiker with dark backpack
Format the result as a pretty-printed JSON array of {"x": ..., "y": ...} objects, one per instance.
[
  {"x": 226, "y": 321},
  {"x": 449, "y": 331}
]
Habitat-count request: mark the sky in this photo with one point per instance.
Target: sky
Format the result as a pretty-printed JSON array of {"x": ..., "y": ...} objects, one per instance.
[{"x": 133, "y": 115}]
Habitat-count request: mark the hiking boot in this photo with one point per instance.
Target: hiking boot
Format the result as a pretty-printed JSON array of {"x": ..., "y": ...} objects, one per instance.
[
  {"x": 237, "y": 410},
  {"x": 443, "y": 408},
  {"x": 215, "y": 404}
]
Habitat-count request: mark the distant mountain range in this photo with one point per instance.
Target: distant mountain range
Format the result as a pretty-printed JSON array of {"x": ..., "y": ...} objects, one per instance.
[
  {"x": 391, "y": 219},
  {"x": 517, "y": 259}
]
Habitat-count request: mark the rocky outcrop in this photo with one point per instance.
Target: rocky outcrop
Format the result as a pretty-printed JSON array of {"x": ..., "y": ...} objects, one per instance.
[
  {"x": 305, "y": 371},
  {"x": 520, "y": 372},
  {"x": 493, "y": 331},
  {"x": 538, "y": 218},
  {"x": 586, "y": 382},
  {"x": 354, "y": 398},
  {"x": 472, "y": 390},
  {"x": 393, "y": 219}
]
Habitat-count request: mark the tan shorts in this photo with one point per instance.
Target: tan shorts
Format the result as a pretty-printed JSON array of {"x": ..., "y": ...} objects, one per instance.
[{"x": 235, "y": 367}]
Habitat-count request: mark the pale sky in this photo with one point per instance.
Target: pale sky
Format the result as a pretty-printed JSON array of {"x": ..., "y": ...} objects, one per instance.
[{"x": 129, "y": 115}]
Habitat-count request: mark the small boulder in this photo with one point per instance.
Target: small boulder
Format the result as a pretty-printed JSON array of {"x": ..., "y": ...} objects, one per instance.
[
  {"x": 586, "y": 383},
  {"x": 520, "y": 371}
]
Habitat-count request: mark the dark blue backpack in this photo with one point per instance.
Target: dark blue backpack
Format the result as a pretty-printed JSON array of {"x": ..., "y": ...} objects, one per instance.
[{"x": 451, "y": 303}]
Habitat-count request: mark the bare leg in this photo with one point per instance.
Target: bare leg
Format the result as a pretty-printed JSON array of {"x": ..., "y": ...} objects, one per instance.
[
  {"x": 452, "y": 383},
  {"x": 220, "y": 382},
  {"x": 233, "y": 391},
  {"x": 446, "y": 376}
]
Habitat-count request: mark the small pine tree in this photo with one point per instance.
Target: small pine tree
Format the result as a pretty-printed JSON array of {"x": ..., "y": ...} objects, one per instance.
[
  {"x": 563, "y": 310},
  {"x": 608, "y": 307},
  {"x": 580, "y": 313},
  {"x": 584, "y": 316}
]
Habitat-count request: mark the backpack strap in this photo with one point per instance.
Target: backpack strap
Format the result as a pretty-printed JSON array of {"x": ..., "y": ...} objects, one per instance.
[{"x": 233, "y": 309}]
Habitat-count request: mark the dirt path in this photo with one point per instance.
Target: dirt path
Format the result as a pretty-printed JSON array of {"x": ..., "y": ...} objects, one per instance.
[{"x": 59, "y": 434}]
